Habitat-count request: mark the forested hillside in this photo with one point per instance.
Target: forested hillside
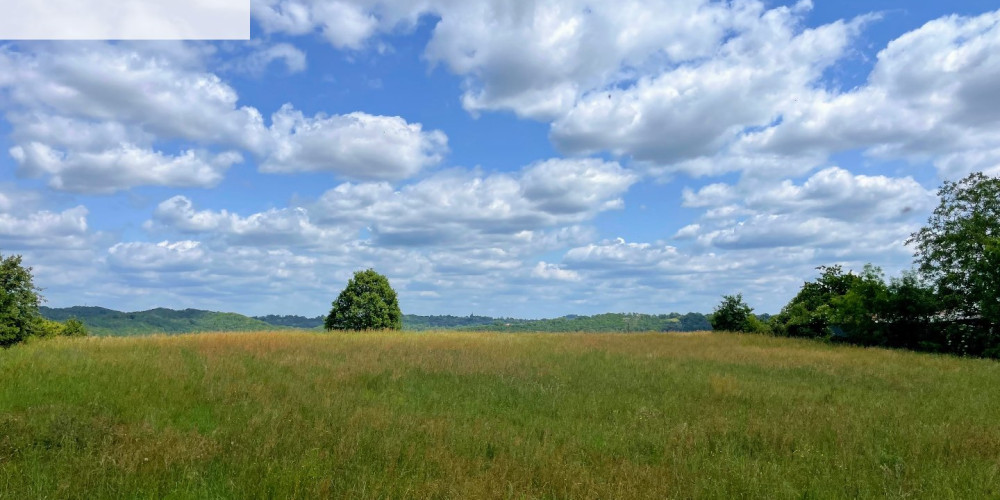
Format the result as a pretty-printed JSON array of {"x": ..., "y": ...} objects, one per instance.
[
  {"x": 101, "y": 321},
  {"x": 437, "y": 322},
  {"x": 291, "y": 321},
  {"x": 611, "y": 322}
]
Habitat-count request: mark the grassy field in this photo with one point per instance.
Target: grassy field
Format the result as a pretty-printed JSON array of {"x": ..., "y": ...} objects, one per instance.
[{"x": 475, "y": 415}]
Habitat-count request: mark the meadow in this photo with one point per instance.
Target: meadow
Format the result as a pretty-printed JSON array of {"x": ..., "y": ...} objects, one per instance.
[{"x": 487, "y": 415}]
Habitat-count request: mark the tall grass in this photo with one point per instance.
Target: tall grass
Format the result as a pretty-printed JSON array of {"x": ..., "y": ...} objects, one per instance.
[{"x": 284, "y": 415}]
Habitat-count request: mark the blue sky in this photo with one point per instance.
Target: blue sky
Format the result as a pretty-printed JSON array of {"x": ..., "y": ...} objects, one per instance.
[{"x": 528, "y": 159}]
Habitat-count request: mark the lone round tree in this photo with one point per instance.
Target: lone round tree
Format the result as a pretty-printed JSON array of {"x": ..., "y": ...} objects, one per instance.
[{"x": 367, "y": 303}]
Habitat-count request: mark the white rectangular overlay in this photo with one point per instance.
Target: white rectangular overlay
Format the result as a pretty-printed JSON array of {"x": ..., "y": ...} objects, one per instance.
[{"x": 125, "y": 19}]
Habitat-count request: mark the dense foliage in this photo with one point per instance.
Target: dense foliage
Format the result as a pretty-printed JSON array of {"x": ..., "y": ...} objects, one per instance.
[
  {"x": 734, "y": 315},
  {"x": 864, "y": 309},
  {"x": 367, "y": 303},
  {"x": 19, "y": 307},
  {"x": 836, "y": 304},
  {"x": 951, "y": 303},
  {"x": 71, "y": 328},
  {"x": 958, "y": 252}
]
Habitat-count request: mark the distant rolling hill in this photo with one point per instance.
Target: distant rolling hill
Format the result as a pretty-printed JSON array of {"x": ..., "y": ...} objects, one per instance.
[
  {"x": 610, "y": 322},
  {"x": 108, "y": 322},
  {"x": 101, "y": 321},
  {"x": 292, "y": 321}
]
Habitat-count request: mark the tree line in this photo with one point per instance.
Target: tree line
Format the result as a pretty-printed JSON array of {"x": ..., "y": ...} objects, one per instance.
[
  {"x": 368, "y": 302},
  {"x": 949, "y": 302},
  {"x": 608, "y": 322}
]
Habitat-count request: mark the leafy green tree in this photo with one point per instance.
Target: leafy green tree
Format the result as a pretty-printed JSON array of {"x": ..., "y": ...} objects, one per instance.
[
  {"x": 857, "y": 313},
  {"x": 368, "y": 302},
  {"x": 811, "y": 312},
  {"x": 959, "y": 252},
  {"x": 732, "y": 314},
  {"x": 19, "y": 300}
]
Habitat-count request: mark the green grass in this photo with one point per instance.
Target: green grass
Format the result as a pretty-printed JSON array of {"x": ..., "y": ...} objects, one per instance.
[{"x": 471, "y": 415}]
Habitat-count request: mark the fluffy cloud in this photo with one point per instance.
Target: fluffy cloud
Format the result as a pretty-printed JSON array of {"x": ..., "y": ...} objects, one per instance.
[
  {"x": 261, "y": 58},
  {"x": 538, "y": 58},
  {"x": 470, "y": 233},
  {"x": 638, "y": 276},
  {"x": 190, "y": 273},
  {"x": 288, "y": 227},
  {"x": 463, "y": 208},
  {"x": 929, "y": 97},
  {"x": 537, "y": 209},
  {"x": 694, "y": 86},
  {"x": 57, "y": 243},
  {"x": 164, "y": 256},
  {"x": 548, "y": 271},
  {"x": 90, "y": 116},
  {"x": 691, "y": 111},
  {"x": 657, "y": 81},
  {"x": 832, "y": 192},
  {"x": 356, "y": 145},
  {"x": 127, "y": 166},
  {"x": 43, "y": 229},
  {"x": 157, "y": 91},
  {"x": 199, "y": 264},
  {"x": 760, "y": 238},
  {"x": 842, "y": 215}
]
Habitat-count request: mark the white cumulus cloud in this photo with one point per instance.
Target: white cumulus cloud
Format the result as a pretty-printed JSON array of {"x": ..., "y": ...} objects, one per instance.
[{"x": 356, "y": 145}]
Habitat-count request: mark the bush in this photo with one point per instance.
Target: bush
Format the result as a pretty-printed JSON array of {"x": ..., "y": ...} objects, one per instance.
[
  {"x": 46, "y": 328},
  {"x": 74, "y": 328},
  {"x": 367, "y": 303},
  {"x": 753, "y": 324}
]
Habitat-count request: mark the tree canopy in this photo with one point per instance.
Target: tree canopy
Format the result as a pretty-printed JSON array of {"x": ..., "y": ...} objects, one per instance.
[
  {"x": 835, "y": 304},
  {"x": 367, "y": 303},
  {"x": 19, "y": 300},
  {"x": 732, "y": 314},
  {"x": 959, "y": 248}
]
